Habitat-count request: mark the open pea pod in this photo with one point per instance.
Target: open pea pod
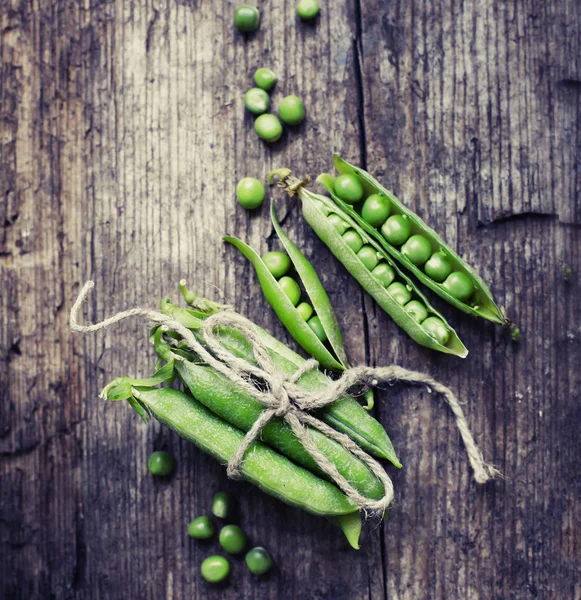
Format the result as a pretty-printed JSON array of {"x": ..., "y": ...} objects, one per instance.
[{"x": 480, "y": 303}]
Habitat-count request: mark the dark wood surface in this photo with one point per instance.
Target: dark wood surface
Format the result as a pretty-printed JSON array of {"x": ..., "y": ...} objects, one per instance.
[{"x": 122, "y": 137}]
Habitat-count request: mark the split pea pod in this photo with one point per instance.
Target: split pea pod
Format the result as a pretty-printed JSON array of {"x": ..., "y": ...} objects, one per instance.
[
  {"x": 414, "y": 244},
  {"x": 374, "y": 269}
]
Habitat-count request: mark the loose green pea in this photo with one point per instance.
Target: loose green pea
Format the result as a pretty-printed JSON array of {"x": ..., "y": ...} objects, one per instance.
[
  {"x": 353, "y": 240},
  {"x": 305, "y": 310},
  {"x": 161, "y": 464},
  {"x": 368, "y": 256},
  {"x": 375, "y": 210},
  {"x": 459, "y": 285},
  {"x": 396, "y": 230},
  {"x": 307, "y": 9},
  {"x": 215, "y": 569},
  {"x": 400, "y": 292},
  {"x": 258, "y": 561},
  {"x": 437, "y": 329},
  {"x": 291, "y": 288},
  {"x": 417, "y": 310},
  {"x": 338, "y": 223},
  {"x": 264, "y": 78},
  {"x": 250, "y": 193},
  {"x": 268, "y": 128},
  {"x": 246, "y": 18},
  {"x": 384, "y": 274},
  {"x": 278, "y": 263},
  {"x": 315, "y": 324},
  {"x": 201, "y": 528},
  {"x": 417, "y": 249},
  {"x": 222, "y": 505},
  {"x": 291, "y": 110},
  {"x": 257, "y": 101},
  {"x": 349, "y": 188},
  {"x": 438, "y": 267},
  {"x": 232, "y": 539}
]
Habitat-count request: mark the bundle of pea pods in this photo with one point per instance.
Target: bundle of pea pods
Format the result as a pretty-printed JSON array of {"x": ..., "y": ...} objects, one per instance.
[{"x": 375, "y": 237}]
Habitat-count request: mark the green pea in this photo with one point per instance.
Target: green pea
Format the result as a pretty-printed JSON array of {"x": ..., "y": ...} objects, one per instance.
[
  {"x": 353, "y": 240},
  {"x": 246, "y": 18},
  {"x": 368, "y": 256},
  {"x": 322, "y": 206},
  {"x": 375, "y": 210},
  {"x": 291, "y": 288},
  {"x": 459, "y": 285},
  {"x": 305, "y": 310},
  {"x": 201, "y": 528},
  {"x": 222, "y": 505},
  {"x": 291, "y": 110},
  {"x": 307, "y": 9},
  {"x": 400, "y": 292},
  {"x": 315, "y": 324},
  {"x": 384, "y": 274},
  {"x": 396, "y": 230},
  {"x": 417, "y": 310},
  {"x": 161, "y": 464},
  {"x": 417, "y": 249},
  {"x": 338, "y": 223},
  {"x": 250, "y": 193},
  {"x": 438, "y": 267},
  {"x": 258, "y": 561},
  {"x": 264, "y": 78},
  {"x": 268, "y": 128},
  {"x": 257, "y": 101},
  {"x": 437, "y": 329},
  {"x": 232, "y": 539},
  {"x": 278, "y": 263},
  {"x": 215, "y": 569},
  {"x": 349, "y": 188}
]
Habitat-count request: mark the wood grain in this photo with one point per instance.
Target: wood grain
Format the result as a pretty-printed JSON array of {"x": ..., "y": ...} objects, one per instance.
[{"x": 122, "y": 137}]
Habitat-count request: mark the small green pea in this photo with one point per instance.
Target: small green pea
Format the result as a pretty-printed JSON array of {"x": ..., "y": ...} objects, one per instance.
[
  {"x": 291, "y": 110},
  {"x": 417, "y": 249},
  {"x": 305, "y": 310},
  {"x": 459, "y": 285},
  {"x": 201, "y": 528},
  {"x": 321, "y": 206},
  {"x": 417, "y": 310},
  {"x": 246, "y": 18},
  {"x": 232, "y": 539},
  {"x": 396, "y": 230},
  {"x": 307, "y": 9},
  {"x": 222, "y": 505},
  {"x": 315, "y": 324},
  {"x": 257, "y": 101},
  {"x": 250, "y": 193},
  {"x": 278, "y": 263},
  {"x": 338, "y": 223},
  {"x": 437, "y": 329},
  {"x": 438, "y": 267},
  {"x": 384, "y": 273},
  {"x": 215, "y": 569},
  {"x": 375, "y": 210},
  {"x": 268, "y": 128},
  {"x": 291, "y": 288},
  {"x": 161, "y": 464},
  {"x": 258, "y": 561},
  {"x": 349, "y": 188},
  {"x": 368, "y": 256},
  {"x": 400, "y": 292},
  {"x": 264, "y": 78},
  {"x": 353, "y": 240}
]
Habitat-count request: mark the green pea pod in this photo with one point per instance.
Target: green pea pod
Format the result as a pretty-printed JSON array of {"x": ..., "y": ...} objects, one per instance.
[
  {"x": 318, "y": 220},
  {"x": 482, "y": 303}
]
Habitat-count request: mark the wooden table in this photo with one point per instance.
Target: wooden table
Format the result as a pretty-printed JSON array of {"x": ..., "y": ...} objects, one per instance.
[{"x": 123, "y": 134}]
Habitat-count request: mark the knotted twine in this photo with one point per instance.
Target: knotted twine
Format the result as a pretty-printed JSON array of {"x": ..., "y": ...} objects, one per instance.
[{"x": 283, "y": 398}]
